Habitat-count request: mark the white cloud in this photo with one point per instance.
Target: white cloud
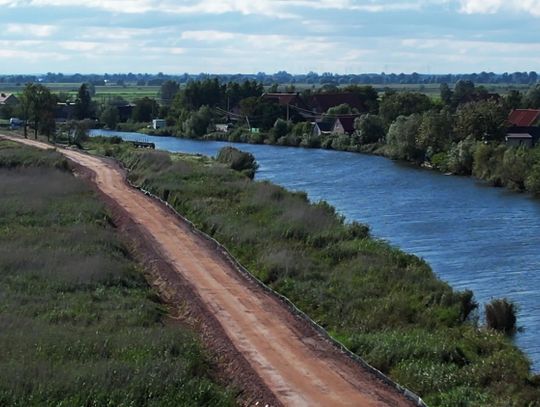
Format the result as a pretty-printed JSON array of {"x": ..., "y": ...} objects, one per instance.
[
  {"x": 34, "y": 30},
  {"x": 496, "y": 6}
]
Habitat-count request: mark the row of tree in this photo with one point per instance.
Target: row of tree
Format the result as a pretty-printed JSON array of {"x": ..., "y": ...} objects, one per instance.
[{"x": 281, "y": 77}]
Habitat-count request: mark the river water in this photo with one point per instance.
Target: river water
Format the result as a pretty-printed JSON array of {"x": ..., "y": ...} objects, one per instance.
[{"x": 474, "y": 236}]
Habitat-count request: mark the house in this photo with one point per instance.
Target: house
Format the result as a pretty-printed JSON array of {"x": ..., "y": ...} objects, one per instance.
[
  {"x": 523, "y": 127},
  {"x": 343, "y": 125},
  {"x": 159, "y": 124},
  {"x": 8, "y": 99},
  {"x": 223, "y": 128},
  {"x": 323, "y": 128},
  {"x": 64, "y": 112}
]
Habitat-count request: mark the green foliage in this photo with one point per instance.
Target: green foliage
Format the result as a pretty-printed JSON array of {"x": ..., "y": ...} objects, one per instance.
[
  {"x": 145, "y": 110},
  {"x": 109, "y": 117},
  {"x": 78, "y": 323},
  {"x": 394, "y": 105},
  {"x": 83, "y": 103},
  {"x": 385, "y": 305},
  {"x": 198, "y": 123},
  {"x": 370, "y": 129},
  {"x": 460, "y": 158},
  {"x": 532, "y": 98},
  {"x": 501, "y": 315},
  {"x": 238, "y": 160},
  {"x": 402, "y": 138},
  {"x": 37, "y": 104},
  {"x": 484, "y": 120}
]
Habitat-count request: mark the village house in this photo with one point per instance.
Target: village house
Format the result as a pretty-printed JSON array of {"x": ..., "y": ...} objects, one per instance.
[
  {"x": 340, "y": 125},
  {"x": 523, "y": 127},
  {"x": 159, "y": 124},
  {"x": 8, "y": 99}
]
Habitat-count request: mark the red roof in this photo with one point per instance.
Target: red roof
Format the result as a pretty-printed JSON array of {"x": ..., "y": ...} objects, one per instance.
[{"x": 524, "y": 117}]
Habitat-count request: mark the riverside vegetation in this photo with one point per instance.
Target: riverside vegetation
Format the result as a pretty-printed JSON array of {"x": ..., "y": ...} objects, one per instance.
[
  {"x": 383, "y": 304},
  {"x": 79, "y": 326}
]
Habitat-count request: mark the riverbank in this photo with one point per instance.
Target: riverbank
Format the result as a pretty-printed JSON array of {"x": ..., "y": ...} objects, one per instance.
[{"x": 385, "y": 305}]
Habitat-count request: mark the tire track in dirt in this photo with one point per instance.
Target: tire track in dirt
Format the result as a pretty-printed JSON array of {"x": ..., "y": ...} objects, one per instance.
[{"x": 298, "y": 366}]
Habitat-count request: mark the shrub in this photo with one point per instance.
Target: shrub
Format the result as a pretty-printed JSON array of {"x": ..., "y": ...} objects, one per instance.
[
  {"x": 238, "y": 160},
  {"x": 501, "y": 315}
]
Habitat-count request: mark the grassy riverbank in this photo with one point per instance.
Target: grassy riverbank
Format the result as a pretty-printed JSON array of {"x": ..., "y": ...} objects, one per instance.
[
  {"x": 78, "y": 323},
  {"x": 384, "y": 304}
]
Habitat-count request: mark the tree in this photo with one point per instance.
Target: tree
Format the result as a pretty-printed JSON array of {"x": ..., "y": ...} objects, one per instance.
[
  {"x": 403, "y": 104},
  {"x": 370, "y": 129},
  {"x": 435, "y": 132},
  {"x": 83, "y": 103},
  {"x": 109, "y": 116},
  {"x": 38, "y": 105},
  {"x": 368, "y": 95},
  {"x": 198, "y": 123},
  {"x": 145, "y": 110},
  {"x": 401, "y": 138},
  {"x": 464, "y": 92},
  {"x": 484, "y": 120},
  {"x": 168, "y": 91},
  {"x": 446, "y": 94},
  {"x": 532, "y": 99}
]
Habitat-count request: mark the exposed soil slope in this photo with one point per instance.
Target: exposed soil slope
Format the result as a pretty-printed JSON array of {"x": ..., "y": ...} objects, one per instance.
[{"x": 295, "y": 362}]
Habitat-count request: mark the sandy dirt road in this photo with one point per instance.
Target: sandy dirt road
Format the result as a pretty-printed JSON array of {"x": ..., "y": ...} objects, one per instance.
[{"x": 299, "y": 368}]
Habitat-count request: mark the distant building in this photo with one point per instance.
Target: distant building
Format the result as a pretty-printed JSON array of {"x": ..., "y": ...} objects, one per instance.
[
  {"x": 340, "y": 125},
  {"x": 343, "y": 125},
  {"x": 159, "y": 124},
  {"x": 322, "y": 127},
  {"x": 64, "y": 112},
  {"x": 523, "y": 127},
  {"x": 8, "y": 99},
  {"x": 223, "y": 128}
]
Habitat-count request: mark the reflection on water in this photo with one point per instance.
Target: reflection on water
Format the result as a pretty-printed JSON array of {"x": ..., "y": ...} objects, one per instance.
[{"x": 475, "y": 237}]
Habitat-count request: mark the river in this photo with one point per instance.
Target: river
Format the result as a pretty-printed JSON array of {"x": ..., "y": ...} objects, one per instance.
[{"x": 474, "y": 236}]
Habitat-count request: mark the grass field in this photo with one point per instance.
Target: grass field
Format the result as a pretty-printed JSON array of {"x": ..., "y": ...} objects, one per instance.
[
  {"x": 132, "y": 91},
  {"x": 79, "y": 325}
]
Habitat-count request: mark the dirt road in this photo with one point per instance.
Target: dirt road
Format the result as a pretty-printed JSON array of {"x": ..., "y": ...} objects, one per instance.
[{"x": 301, "y": 369}]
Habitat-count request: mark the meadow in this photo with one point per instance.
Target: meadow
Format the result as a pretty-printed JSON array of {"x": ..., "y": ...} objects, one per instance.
[
  {"x": 79, "y": 325},
  {"x": 385, "y": 305}
]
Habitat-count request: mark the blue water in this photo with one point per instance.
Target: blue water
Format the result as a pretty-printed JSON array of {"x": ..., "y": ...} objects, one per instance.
[{"x": 474, "y": 236}]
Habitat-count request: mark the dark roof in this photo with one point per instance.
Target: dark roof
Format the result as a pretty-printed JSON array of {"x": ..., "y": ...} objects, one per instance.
[
  {"x": 518, "y": 135},
  {"x": 324, "y": 101},
  {"x": 347, "y": 123},
  {"x": 283, "y": 99},
  {"x": 524, "y": 117},
  {"x": 325, "y": 126}
]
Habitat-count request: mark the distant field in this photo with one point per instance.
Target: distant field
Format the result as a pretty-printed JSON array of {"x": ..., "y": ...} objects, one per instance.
[{"x": 132, "y": 91}]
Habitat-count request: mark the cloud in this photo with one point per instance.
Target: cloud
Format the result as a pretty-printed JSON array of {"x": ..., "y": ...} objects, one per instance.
[
  {"x": 34, "y": 30},
  {"x": 495, "y": 6}
]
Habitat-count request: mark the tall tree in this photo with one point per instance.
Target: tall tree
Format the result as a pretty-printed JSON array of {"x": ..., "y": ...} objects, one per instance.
[
  {"x": 83, "y": 103},
  {"x": 38, "y": 105},
  {"x": 168, "y": 91}
]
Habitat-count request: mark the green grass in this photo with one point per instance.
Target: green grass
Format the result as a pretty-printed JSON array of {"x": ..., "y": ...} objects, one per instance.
[
  {"x": 78, "y": 323},
  {"x": 384, "y": 304}
]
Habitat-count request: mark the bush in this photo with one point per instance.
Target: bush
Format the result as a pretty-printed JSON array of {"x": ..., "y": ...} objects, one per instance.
[
  {"x": 238, "y": 160},
  {"x": 501, "y": 315}
]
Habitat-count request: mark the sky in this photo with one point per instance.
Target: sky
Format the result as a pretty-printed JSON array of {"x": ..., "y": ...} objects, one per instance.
[{"x": 250, "y": 36}]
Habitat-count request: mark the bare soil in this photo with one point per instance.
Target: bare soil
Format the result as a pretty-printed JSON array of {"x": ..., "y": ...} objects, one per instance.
[{"x": 275, "y": 357}]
